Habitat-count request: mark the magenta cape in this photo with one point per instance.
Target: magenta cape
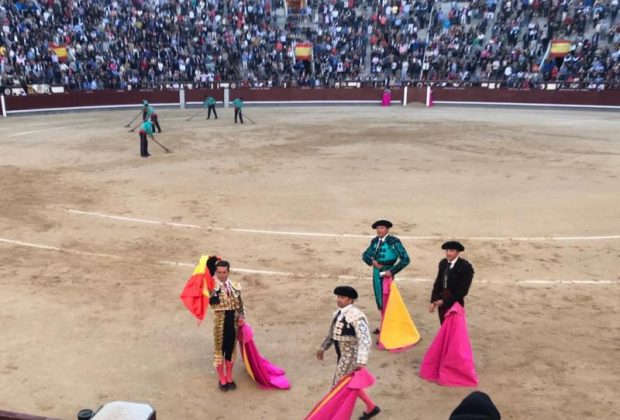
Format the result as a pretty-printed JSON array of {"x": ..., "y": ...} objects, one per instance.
[
  {"x": 449, "y": 360},
  {"x": 339, "y": 402},
  {"x": 265, "y": 374}
]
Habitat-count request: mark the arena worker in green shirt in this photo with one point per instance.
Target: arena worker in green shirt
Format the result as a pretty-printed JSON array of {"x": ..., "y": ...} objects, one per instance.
[
  {"x": 148, "y": 113},
  {"x": 209, "y": 103},
  {"x": 146, "y": 129},
  {"x": 238, "y": 103}
]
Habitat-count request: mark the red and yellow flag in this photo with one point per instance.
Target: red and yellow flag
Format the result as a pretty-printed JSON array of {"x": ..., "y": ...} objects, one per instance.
[
  {"x": 60, "y": 50},
  {"x": 559, "y": 48},
  {"x": 303, "y": 51},
  {"x": 195, "y": 294}
]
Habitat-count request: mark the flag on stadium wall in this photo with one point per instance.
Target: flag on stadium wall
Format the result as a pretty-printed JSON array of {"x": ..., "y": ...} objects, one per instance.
[
  {"x": 60, "y": 50},
  {"x": 195, "y": 294},
  {"x": 303, "y": 51},
  {"x": 559, "y": 48}
]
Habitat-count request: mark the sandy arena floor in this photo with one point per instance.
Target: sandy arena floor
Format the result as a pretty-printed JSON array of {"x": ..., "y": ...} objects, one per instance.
[{"x": 90, "y": 308}]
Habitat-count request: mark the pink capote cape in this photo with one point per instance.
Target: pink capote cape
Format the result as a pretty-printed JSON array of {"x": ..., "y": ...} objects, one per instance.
[
  {"x": 386, "y": 99},
  {"x": 339, "y": 402},
  {"x": 449, "y": 360},
  {"x": 265, "y": 374}
]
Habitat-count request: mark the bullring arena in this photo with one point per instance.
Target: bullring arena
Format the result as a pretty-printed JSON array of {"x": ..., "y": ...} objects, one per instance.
[{"x": 96, "y": 245}]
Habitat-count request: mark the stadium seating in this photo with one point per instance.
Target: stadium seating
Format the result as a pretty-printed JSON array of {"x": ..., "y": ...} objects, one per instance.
[{"x": 97, "y": 44}]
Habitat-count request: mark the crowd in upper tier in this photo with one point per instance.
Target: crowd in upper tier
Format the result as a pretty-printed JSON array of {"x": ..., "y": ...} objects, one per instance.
[{"x": 144, "y": 43}]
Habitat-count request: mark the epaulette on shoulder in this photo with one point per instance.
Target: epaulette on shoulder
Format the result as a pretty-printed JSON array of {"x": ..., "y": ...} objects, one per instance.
[
  {"x": 392, "y": 240},
  {"x": 354, "y": 314}
]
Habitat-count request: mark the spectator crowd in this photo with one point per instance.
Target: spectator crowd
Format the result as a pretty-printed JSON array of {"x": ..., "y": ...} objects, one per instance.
[{"x": 145, "y": 43}]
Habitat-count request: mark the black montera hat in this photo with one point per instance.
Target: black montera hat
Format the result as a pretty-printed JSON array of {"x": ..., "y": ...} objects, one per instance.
[
  {"x": 346, "y": 291},
  {"x": 385, "y": 223},
  {"x": 453, "y": 245}
]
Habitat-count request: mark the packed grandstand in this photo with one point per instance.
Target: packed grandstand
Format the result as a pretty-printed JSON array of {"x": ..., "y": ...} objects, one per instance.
[{"x": 100, "y": 44}]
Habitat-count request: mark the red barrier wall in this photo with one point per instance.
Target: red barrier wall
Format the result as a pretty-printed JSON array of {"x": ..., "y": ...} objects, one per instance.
[
  {"x": 549, "y": 97},
  {"x": 119, "y": 98},
  {"x": 415, "y": 94},
  {"x": 90, "y": 98},
  {"x": 308, "y": 94},
  {"x": 199, "y": 95}
]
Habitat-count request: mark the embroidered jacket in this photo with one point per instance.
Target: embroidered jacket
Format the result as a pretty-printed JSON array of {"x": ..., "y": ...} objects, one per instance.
[
  {"x": 350, "y": 325},
  {"x": 391, "y": 253},
  {"x": 226, "y": 297}
]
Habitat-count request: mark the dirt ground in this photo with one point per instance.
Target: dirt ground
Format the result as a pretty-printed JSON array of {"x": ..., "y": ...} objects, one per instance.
[{"x": 90, "y": 309}]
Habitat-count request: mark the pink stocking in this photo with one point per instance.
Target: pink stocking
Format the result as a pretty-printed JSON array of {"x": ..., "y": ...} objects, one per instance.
[
  {"x": 220, "y": 373},
  {"x": 370, "y": 405},
  {"x": 229, "y": 369}
]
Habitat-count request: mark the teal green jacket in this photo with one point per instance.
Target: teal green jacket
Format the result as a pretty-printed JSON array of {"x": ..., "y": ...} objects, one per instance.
[
  {"x": 149, "y": 111},
  {"x": 147, "y": 127},
  {"x": 391, "y": 253}
]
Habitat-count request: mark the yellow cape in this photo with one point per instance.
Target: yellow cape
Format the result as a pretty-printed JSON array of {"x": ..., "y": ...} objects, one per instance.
[{"x": 398, "y": 332}]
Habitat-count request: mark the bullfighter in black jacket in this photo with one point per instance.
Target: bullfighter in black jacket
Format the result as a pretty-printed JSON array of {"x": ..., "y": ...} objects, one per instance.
[{"x": 453, "y": 280}]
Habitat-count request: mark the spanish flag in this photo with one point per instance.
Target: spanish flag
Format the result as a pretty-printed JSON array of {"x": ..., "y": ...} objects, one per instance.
[
  {"x": 195, "y": 294},
  {"x": 303, "y": 51},
  {"x": 560, "y": 48},
  {"x": 59, "y": 50}
]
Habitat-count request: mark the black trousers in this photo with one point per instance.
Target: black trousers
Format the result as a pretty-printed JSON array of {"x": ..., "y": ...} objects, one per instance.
[
  {"x": 155, "y": 122},
  {"x": 441, "y": 311},
  {"x": 144, "y": 145},
  {"x": 230, "y": 335},
  {"x": 238, "y": 112},
  {"x": 211, "y": 107}
]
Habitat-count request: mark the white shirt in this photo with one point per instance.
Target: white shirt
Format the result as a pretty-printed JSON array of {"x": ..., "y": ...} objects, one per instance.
[
  {"x": 453, "y": 262},
  {"x": 343, "y": 311},
  {"x": 225, "y": 285}
]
